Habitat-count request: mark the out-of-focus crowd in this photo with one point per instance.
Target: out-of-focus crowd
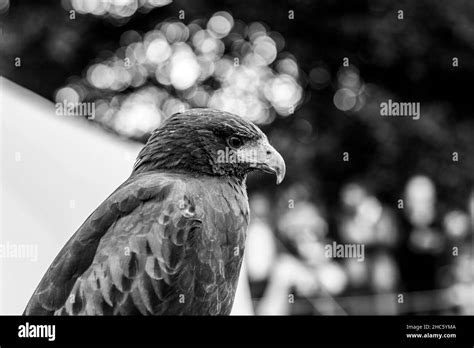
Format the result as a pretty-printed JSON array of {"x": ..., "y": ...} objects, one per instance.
[{"x": 414, "y": 256}]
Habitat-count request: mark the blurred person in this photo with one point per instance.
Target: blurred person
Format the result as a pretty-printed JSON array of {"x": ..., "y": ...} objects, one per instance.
[
  {"x": 460, "y": 293},
  {"x": 372, "y": 284},
  {"x": 261, "y": 249},
  {"x": 303, "y": 228},
  {"x": 420, "y": 197},
  {"x": 364, "y": 219},
  {"x": 385, "y": 279},
  {"x": 303, "y": 271},
  {"x": 458, "y": 274},
  {"x": 288, "y": 275},
  {"x": 294, "y": 284},
  {"x": 358, "y": 275},
  {"x": 423, "y": 242}
]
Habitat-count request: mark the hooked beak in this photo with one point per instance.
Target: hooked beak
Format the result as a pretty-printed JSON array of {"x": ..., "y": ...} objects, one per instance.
[{"x": 270, "y": 161}]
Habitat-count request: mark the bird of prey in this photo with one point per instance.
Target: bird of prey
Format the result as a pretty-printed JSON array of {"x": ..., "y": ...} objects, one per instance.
[{"x": 170, "y": 239}]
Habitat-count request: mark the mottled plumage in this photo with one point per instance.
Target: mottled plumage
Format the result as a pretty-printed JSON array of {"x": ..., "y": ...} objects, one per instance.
[{"x": 170, "y": 239}]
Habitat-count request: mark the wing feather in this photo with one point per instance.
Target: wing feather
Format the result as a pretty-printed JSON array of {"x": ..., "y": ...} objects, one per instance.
[{"x": 129, "y": 240}]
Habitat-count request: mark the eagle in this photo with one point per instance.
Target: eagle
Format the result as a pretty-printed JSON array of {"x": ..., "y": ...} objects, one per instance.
[{"x": 170, "y": 239}]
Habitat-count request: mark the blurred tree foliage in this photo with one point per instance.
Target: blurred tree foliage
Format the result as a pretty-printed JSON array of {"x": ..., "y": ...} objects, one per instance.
[{"x": 406, "y": 60}]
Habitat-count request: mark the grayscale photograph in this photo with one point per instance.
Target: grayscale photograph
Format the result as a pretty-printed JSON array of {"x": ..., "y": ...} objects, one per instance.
[{"x": 311, "y": 160}]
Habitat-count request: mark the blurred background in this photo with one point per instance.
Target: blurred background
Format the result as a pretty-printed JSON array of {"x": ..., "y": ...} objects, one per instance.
[{"x": 312, "y": 75}]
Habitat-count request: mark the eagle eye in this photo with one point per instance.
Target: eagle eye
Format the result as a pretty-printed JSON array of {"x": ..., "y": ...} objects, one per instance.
[{"x": 235, "y": 142}]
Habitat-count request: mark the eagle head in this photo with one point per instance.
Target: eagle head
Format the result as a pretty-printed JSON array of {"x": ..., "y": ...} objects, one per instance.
[{"x": 209, "y": 142}]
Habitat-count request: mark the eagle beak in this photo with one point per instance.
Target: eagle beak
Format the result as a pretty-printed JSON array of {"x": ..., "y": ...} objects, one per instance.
[{"x": 270, "y": 161}]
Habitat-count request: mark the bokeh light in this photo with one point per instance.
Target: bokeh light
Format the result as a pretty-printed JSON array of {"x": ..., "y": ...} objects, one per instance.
[
  {"x": 220, "y": 24},
  {"x": 350, "y": 96},
  {"x": 67, "y": 94},
  {"x": 223, "y": 64},
  {"x": 345, "y": 99},
  {"x": 114, "y": 9}
]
